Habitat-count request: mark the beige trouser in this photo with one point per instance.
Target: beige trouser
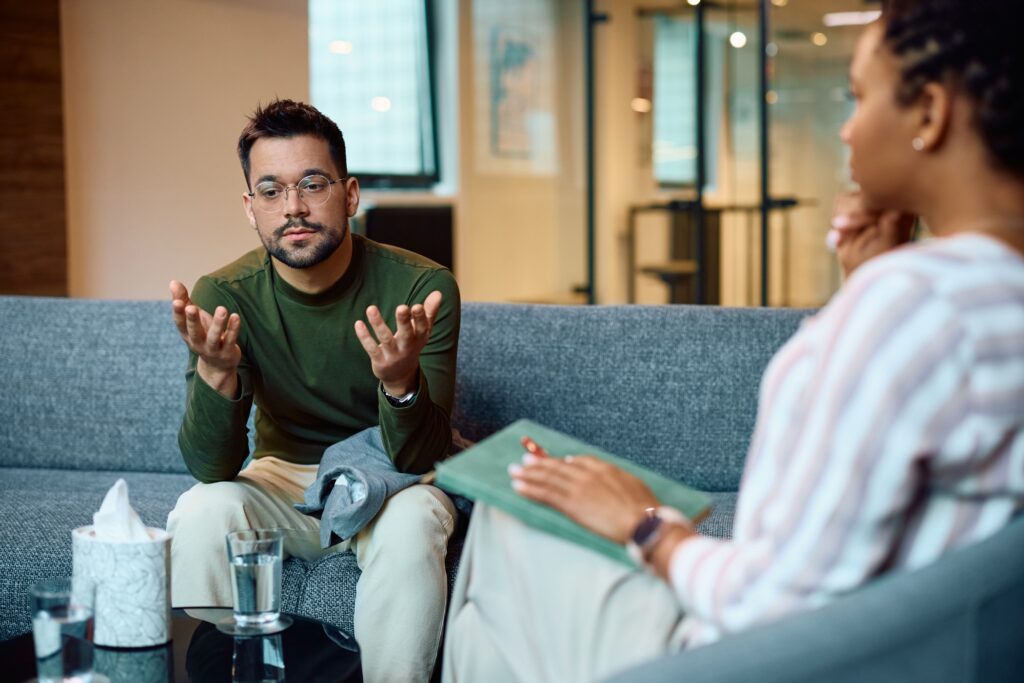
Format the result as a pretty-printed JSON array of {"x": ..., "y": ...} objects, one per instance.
[
  {"x": 531, "y": 607},
  {"x": 400, "y": 597}
]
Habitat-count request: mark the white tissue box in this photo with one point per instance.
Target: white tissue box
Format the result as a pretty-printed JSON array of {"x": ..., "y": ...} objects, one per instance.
[{"x": 133, "y": 586}]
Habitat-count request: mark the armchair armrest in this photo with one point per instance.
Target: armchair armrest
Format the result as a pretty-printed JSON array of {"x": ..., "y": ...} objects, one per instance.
[{"x": 956, "y": 620}]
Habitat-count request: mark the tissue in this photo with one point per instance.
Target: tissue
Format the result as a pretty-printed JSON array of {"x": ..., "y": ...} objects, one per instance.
[
  {"x": 116, "y": 520},
  {"x": 129, "y": 563}
]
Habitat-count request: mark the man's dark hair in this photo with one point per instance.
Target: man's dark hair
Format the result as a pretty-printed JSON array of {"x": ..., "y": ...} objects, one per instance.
[
  {"x": 286, "y": 119},
  {"x": 973, "y": 45}
]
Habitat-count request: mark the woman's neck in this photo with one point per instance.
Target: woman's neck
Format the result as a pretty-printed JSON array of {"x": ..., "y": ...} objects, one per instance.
[{"x": 990, "y": 203}]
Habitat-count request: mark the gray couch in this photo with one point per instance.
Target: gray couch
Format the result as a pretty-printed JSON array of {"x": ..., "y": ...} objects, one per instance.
[{"x": 93, "y": 390}]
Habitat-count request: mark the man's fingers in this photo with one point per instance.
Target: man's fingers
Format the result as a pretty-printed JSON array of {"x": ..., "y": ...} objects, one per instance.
[
  {"x": 178, "y": 315},
  {"x": 194, "y": 326},
  {"x": 403, "y": 322},
  {"x": 420, "y": 320},
  {"x": 380, "y": 328},
  {"x": 432, "y": 305},
  {"x": 234, "y": 325},
  {"x": 179, "y": 292},
  {"x": 215, "y": 330},
  {"x": 366, "y": 339}
]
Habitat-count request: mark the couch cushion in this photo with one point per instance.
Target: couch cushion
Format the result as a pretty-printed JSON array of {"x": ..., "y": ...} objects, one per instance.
[
  {"x": 672, "y": 387},
  {"x": 718, "y": 523},
  {"x": 42, "y": 506},
  {"x": 91, "y": 385}
]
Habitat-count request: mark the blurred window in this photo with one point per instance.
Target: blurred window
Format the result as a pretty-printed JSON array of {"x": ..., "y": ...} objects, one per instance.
[{"x": 371, "y": 70}]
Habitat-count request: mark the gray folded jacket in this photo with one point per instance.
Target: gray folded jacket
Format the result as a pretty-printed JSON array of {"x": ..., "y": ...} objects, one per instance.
[{"x": 354, "y": 479}]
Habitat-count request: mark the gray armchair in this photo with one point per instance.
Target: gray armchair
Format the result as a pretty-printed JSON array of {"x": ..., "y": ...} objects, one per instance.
[{"x": 960, "y": 619}]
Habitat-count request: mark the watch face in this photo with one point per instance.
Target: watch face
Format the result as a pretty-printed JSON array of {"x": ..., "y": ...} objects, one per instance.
[{"x": 645, "y": 529}]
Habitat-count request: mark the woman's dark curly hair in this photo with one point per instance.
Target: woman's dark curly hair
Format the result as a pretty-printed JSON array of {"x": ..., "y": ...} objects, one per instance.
[{"x": 973, "y": 45}]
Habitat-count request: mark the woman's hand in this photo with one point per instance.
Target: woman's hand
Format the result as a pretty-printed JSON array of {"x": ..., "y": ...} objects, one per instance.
[
  {"x": 597, "y": 495},
  {"x": 860, "y": 233}
]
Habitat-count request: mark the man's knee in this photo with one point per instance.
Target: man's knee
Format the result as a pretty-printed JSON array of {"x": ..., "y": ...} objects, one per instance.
[
  {"x": 211, "y": 508},
  {"x": 418, "y": 509},
  {"x": 415, "y": 523}
]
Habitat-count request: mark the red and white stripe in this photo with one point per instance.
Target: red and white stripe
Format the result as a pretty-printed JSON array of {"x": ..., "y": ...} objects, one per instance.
[{"x": 890, "y": 431}]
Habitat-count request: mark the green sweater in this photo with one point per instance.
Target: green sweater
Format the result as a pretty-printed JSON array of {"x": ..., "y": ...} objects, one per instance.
[{"x": 305, "y": 369}]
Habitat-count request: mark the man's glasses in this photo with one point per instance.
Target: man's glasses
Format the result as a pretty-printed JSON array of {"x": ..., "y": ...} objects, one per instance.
[{"x": 314, "y": 190}]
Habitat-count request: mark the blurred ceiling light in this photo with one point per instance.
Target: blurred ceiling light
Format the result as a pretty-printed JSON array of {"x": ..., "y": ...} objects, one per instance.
[
  {"x": 851, "y": 18},
  {"x": 380, "y": 104},
  {"x": 738, "y": 39},
  {"x": 341, "y": 47},
  {"x": 641, "y": 105},
  {"x": 693, "y": 2},
  {"x": 819, "y": 39},
  {"x": 780, "y": 3}
]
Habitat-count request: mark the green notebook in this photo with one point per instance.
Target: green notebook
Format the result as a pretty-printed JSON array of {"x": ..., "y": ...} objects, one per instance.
[{"x": 480, "y": 473}]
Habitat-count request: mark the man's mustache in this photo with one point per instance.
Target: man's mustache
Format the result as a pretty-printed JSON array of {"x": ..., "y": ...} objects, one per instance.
[{"x": 298, "y": 223}]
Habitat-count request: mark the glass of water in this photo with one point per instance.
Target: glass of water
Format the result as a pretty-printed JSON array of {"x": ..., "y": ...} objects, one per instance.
[
  {"x": 62, "y": 630},
  {"x": 255, "y": 559}
]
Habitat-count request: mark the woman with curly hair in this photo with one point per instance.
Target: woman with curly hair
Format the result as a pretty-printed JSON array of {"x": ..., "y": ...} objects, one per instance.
[{"x": 890, "y": 428}]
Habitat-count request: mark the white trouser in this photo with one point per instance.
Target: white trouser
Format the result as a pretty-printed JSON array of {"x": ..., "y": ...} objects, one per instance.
[
  {"x": 531, "y": 607},
  {"x": 401, "y": 594}
]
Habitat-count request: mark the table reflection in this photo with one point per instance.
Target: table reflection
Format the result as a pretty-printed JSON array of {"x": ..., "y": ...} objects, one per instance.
[{"x": 305, "y": 651}]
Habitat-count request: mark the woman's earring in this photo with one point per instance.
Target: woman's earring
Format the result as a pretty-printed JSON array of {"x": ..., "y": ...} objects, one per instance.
[{"x": 917, "y": 144}]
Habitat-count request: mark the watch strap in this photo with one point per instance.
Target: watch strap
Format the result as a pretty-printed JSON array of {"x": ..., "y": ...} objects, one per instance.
[
  {"x": 398, "y": 401},
  {"x": 649, "y": 531}
]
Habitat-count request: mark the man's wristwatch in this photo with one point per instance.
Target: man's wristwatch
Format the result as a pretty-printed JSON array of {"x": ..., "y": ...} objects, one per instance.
[
  {"x": 398, "y": 401},
  {"x": 650, "y": 530}
]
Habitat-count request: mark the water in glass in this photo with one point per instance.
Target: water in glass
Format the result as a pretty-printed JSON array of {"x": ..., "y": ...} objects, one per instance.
[{"x": 256, "y": 585}]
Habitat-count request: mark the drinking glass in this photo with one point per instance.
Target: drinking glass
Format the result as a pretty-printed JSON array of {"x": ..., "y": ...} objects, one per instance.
[
  {"x": 62, "y": 630},
  {"x": 255, "y": 559}
]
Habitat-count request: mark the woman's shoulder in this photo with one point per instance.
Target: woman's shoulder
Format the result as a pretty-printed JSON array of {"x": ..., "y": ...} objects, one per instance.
[{"x": 948, "y": 267}]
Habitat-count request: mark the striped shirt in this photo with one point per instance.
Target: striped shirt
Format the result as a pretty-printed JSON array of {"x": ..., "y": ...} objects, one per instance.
[{"x": 890, "y": 431}]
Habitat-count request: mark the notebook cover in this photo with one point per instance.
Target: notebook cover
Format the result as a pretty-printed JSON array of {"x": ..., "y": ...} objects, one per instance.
[{"x": 480, "y": 473}]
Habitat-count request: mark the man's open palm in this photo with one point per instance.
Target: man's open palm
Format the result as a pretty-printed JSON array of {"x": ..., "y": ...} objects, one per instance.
[
  {"x": 395, "y": 355},
  {"x": 214, "y": 338}
]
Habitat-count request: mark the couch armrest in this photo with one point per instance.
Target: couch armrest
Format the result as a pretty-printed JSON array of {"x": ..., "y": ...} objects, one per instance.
[{"x": 957, "y": 620}]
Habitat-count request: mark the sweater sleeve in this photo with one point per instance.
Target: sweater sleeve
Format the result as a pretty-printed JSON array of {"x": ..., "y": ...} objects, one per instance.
[
  {"x": 419, "y": 434},
  {"x": 213, "y": 437}
]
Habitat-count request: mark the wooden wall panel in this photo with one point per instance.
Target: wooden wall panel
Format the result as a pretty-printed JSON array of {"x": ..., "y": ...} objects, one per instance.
[{"x": 33, "y": 233}]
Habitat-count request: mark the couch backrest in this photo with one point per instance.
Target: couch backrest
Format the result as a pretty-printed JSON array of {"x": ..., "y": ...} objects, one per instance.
[
  {"x": 90, "y": 384},
  {"x": 671, "y": 387}
]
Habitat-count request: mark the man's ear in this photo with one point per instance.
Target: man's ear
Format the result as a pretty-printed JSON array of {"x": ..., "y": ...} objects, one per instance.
[
  {"x": 351, "y": 196},
  {"x": 247, "y": 205},
  {"x": 935, "y": 114}
]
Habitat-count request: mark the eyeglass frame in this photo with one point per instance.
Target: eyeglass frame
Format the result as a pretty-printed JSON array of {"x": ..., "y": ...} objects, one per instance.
[{"x": 295, "y": 187}]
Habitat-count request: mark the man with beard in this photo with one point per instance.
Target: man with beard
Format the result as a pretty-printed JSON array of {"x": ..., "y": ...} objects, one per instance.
[{"x": 283, "y": 327}]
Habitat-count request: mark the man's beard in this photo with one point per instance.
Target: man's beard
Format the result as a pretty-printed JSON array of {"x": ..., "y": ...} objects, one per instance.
[{"x": 308, "y": 256}]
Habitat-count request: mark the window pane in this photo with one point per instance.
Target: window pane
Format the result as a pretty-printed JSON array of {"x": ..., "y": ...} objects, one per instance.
[
  {"x": 675, "y": 97},
  {"x": 370, "y": 72}
]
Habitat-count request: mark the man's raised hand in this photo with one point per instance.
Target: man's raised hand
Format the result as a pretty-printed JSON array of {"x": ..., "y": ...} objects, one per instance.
[
  {"x": 213, "y": 338},
  {"x": 395, "y": 356}
]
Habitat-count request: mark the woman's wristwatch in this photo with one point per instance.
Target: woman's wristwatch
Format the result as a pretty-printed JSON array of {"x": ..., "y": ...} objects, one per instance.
[{"x": 650, "y": 530}]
